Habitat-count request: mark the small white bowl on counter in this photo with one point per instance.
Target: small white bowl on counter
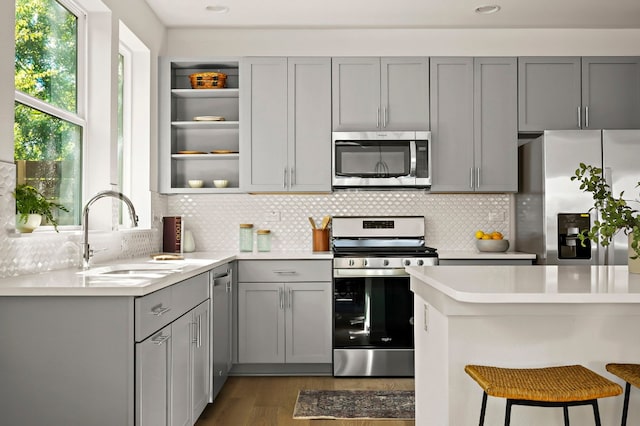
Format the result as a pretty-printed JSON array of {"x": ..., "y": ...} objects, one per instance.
[
  {"x": 220, "y": 183},
  {"x": 492, "y": 245},
  {"x": 196, "y": 183}
]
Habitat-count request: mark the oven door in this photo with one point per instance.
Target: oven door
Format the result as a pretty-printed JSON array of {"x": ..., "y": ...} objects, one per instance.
[{"x": 373, "y": 311}]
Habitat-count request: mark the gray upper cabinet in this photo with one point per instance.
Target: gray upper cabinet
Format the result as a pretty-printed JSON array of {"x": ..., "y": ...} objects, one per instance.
[
  {"x": 285, "y": 135},
  {"x": 559, "y": 93},
  {"x": 474, "y": 124},
  {"x": 611, "y": 92},
  {"x": 389, "y": 93}
]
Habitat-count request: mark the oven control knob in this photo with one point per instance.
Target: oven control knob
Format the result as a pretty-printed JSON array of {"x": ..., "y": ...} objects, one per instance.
[
  {"x": 420, "y": 262},
  {"x": 352, "y": 262},
  {"x": 365, "y": 262},
  {"x": 386, "y": 262},
  {"x": 407, "y": 262}
]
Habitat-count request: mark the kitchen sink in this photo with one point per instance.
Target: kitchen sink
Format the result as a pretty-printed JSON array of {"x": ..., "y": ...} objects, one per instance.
[{"x": 137, "y": 270}]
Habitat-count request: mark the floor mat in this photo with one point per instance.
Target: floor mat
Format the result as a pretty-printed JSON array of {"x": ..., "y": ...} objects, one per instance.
[{"x": 355, "y": 404}]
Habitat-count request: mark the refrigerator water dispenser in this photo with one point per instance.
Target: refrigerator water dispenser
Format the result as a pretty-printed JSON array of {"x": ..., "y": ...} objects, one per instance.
[{"x": 570, "y": 225}]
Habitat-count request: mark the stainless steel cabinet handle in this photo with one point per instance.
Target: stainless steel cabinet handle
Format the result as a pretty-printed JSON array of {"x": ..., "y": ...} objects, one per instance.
[
  {"x": 159, "y": 310},
  {"x": 586, "y": 116},
  {"x": 291, "y": 176},
  {"x": 290, "y": 297},
  {"x": 579, "y": 119},
  {"x": 285, "y": 272},
  {"x": 378, "y": 118},
  {"x": 281, "y": 296},
  {"x": 159, "y": 340},
  {"x": 194, "y": 330},
  {"x": 284, "y": 178},
  {"x": 478, "y": 177},
  {"x": 471, "y": 178},
  {"x": 199, "y": 331},
  {"x": 384, "y": 118}
]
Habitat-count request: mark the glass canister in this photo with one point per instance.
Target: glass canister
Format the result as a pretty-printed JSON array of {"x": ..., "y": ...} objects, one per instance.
[
  {"x": 246, "y": 237},
  {"x": 264, "y": 240}
]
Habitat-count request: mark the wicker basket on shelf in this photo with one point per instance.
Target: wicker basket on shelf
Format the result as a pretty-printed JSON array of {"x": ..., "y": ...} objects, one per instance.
[{"x": 208, "y": 80}]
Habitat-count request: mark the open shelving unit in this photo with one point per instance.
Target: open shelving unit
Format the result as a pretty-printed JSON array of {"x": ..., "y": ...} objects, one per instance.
[{"x": 180, "y": 132}]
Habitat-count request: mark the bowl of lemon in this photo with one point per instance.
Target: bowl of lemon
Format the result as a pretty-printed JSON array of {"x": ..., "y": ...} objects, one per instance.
[{"x": 491, "y": 242}]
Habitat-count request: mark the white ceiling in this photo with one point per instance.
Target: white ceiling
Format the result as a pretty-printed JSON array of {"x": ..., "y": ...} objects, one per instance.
[{"x": 399, "y": 13}]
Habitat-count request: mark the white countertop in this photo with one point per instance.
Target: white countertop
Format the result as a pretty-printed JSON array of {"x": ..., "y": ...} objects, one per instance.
[
  {"x": 475, "y": 254},
  {"x": 71, "y": 282},
  {"x": 530, "y": 284}
]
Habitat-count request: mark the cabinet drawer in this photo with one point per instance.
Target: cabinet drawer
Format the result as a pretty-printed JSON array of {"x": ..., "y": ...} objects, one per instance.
[
  {"x": 156, "y": 310},
  {"x": 284, "y": 270}
]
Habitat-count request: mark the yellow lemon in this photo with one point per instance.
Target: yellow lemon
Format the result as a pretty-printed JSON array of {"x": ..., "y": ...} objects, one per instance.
[
  {"x": 486, "y": 237},
  {"x": 479, "y": 235}
]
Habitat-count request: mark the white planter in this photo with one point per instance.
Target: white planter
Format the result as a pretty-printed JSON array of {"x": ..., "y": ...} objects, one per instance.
[
  {"x": 31, "y": 223},
  {"x": 634, "y": 264}
]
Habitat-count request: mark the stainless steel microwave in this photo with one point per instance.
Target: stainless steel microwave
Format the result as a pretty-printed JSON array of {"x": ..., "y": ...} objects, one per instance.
[{"x": 381, "y": 159}]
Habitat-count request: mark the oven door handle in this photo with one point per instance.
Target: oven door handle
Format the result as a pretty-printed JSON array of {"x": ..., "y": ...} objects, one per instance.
[{"x": 355, "y": 272}]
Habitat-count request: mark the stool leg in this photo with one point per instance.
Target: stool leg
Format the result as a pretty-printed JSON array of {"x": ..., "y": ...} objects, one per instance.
[
  {"x": 483, "y": 409},
  {"x": 565, "y": 411},
  {"x": 507, "y": 414},
  {"x": 625, "y": 406},
  {"x": 596, "y": 413}
]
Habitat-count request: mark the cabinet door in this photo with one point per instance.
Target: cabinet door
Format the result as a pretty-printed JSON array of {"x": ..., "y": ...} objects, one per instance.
[
  {"x": 405, "y": 93},
  {"x": 611, "y": 92},
  {"x": 549, "y": 93},
  {"x": 180, "y": 380},
  {"x": 200, "y": 360},
  {"x": 309, "y": 123},
  {"x": 260, "y": 323},
  {"x": 496, "y": 124},
  {"x": 356, "y": 94},
  {"x": 452, "y": 124},
  {"x": 152, "y": 366},
  {"x": 221, "y": 295},
  {"x": 308, "y": 322},
  {"x": 263, "y": 137}
]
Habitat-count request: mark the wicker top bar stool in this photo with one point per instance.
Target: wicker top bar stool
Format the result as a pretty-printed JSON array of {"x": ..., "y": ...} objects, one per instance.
[
  {"x": 630, "y": 373},
  {"x": 561, "y": 386}
]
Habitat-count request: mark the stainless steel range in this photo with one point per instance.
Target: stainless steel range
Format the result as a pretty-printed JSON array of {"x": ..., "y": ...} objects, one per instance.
[{"x": 373, "y": 305}]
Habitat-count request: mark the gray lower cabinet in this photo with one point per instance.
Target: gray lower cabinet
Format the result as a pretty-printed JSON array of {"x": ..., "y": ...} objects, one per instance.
[
  {"x": 388, "y": 93},
  {"x": 564, "y": 93},
  {"x": 172, "y": 365},
  {"x": 285, "y": 137},
  {"x": 221, "y": 344},
  {"x": 474, "y": 124},
  {"x": 106, "y": 360},
  {"x": 284, "y": 312}
]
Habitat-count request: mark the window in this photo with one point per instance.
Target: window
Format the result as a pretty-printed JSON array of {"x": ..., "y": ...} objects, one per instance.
[{"x": 49, "y": 113}]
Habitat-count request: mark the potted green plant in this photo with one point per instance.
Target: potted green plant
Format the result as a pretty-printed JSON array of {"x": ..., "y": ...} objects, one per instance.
[
  {"x": 31, "y": 206},
  {"x": 614, "y": 213}
]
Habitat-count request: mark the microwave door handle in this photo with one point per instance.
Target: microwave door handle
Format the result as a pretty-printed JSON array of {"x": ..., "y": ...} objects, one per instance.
[{"x": 413, "y": 154}]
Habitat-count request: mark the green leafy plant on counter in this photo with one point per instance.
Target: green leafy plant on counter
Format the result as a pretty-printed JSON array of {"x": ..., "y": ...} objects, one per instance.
[
  {"x": 30, "y": 201},
  {"x": 614, "y": 214}
]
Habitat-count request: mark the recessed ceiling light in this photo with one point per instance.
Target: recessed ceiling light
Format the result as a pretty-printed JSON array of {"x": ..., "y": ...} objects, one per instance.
[
  {"x": 217, "y": 9},
  {"x": 486, "y": 10}
]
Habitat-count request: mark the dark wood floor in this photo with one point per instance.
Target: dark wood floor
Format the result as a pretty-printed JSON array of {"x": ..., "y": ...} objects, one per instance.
[{"x": 269, "y": 401}]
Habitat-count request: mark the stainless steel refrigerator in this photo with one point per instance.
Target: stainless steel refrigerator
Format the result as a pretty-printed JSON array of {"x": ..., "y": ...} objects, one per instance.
[{"x": 551, "y": 209}]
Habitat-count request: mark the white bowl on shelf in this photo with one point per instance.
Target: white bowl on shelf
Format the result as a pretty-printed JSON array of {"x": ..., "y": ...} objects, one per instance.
[
  {"x": 492, "y": 245},
  {"x": 196, "y": 183},
  {"x": 220, "y": 183}
]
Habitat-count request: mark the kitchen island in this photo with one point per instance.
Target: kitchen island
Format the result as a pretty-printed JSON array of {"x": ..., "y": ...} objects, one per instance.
[{"x": 520, "y": 317}]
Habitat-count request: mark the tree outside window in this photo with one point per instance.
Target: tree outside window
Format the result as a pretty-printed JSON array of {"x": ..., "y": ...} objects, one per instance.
[{"x": 48, "y": 128}]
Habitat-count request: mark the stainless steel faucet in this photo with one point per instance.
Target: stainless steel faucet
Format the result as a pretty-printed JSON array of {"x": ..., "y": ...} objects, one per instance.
[{"x": 87, "y": 253}]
